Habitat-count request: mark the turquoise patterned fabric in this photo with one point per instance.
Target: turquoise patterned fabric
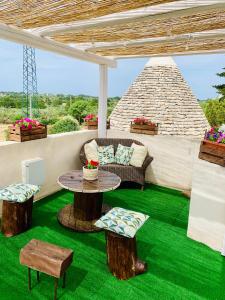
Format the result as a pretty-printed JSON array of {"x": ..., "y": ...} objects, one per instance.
[
  {"x": 123, "y": 155},
  {"x": 106, "y": 155},
  {"x": 19, "y": 192},
  {"x": 122, "y": 221}
]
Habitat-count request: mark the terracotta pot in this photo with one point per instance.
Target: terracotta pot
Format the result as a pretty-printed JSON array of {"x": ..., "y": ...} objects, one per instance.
[{"x": 90, "y": 174}]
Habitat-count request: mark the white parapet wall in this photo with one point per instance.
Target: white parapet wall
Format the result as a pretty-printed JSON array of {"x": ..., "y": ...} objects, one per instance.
[
  {"x": 207, "y": 209},
  {"x": 173, "y": 158},
  {"x": 59, "y": 151}
]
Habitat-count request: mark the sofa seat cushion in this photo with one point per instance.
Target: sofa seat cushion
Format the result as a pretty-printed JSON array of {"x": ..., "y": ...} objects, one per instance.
[
  {"x": 19, "y": 192},
  {"x": 122, "y": 221}
]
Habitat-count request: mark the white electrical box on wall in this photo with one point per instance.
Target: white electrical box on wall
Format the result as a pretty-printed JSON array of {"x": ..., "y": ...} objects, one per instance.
[{"x": 33, "y": 171}]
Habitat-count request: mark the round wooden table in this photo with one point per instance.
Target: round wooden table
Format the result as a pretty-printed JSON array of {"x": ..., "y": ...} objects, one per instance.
[{"x": 88, "y": 197}]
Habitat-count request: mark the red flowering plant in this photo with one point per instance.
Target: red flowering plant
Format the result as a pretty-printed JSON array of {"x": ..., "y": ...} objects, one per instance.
[
  {"x": 27, "y": 123},
  {"x": 91, "y": 164},
  {"x": 142, "y": 121},
  {"x": 90, "y": 117}
]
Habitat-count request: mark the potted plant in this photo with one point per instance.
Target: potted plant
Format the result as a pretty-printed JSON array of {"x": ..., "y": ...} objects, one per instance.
[
  {"x": 26, "y": 130},
  {"x": 144, "y": 126},
  {"x": 212, "y": 147},
  {"x": 90, "y": 170},
  {"x": 91, "y": 122}
]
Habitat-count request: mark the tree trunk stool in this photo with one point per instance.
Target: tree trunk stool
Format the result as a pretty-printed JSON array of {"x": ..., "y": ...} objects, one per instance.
[
  {"x": 46, "y": 258},
  {"x": 121, "y": 226},
  {"x": 17, "y": 208}
]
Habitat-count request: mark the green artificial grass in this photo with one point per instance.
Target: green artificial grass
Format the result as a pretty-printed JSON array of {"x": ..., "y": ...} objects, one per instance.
[{"x": 179, "y": 268}]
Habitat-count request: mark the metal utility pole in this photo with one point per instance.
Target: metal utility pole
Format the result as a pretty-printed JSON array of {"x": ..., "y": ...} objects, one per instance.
[{"x": 30, "y": 94}]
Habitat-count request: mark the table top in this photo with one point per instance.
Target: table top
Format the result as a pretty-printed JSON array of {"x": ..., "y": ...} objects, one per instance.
[{"x": 74, "y": 182}]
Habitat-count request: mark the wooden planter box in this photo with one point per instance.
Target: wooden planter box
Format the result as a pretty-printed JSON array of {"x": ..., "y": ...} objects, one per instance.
[
  {"x": 91, "y": 125},
  {"x": 19, "y": 134},
  {"x": 212, "y": 152},
  {"x": 144, "y": 129}
]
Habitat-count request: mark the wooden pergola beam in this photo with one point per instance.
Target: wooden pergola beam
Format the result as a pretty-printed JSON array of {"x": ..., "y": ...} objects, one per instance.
[
  {"x": 185, "y": 53},
  {"x": 20, "y": 36},
  {"x": 220, "y": 33}
]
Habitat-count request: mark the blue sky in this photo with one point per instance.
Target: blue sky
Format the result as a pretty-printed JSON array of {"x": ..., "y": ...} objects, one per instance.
[{"x": 58, "y": 74}]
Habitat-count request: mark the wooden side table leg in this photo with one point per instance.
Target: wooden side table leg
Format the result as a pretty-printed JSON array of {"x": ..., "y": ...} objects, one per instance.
[
  {"x": 55, "y": 288},
  {"x": 29, "y": 280},
  {"x": 64, "y": 280},
  {"x": 38, "y": 276}
]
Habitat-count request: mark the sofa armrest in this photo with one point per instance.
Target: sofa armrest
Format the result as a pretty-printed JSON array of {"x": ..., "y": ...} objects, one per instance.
[{"x": 147, "y": 162}]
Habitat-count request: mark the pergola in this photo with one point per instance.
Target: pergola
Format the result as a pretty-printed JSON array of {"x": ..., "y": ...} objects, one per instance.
[{"x": 102, "y": 31}]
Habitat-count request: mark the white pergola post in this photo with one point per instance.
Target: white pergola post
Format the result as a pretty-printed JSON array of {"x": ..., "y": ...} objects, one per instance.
[{"x": 102, "y": 102}]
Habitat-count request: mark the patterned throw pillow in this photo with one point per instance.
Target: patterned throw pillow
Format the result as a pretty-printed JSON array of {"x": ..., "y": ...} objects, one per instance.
[
  {"x": 106, "y": 154},
  {"x": 122, "y": 221},
  {"x": 123, "y": 155},
  {"x": 19, "y": 192}
]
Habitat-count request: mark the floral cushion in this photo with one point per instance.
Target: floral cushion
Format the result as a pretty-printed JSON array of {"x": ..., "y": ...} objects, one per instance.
[
  {"x": 106, "y": 154},
  {"x": 123, "y": 155},
  {"x": 19, "y": 192},
  {"x": 122, "y": 221}
]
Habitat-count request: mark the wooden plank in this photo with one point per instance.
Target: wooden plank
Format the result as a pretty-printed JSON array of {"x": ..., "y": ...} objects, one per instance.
[
  {"x": 213, "y": 148},
  {"x": 213, "y": 159},
  {"x": 140, "y": 131}
]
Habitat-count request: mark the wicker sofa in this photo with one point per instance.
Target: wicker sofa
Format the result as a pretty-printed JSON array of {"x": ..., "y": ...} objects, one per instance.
[{"x": 126, "y": 173}]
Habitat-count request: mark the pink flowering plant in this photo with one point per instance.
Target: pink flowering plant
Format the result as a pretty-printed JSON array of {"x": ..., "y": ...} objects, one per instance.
[
  {"x": 26, "y": 123},
  {"x": 142, "y": 121},
  {"x": 215, "y": 135},
  {"x": 90, "y": 117}
]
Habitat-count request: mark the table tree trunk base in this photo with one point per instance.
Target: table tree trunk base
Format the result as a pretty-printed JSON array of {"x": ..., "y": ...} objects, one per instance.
[
  {"x": 66, "y": 218},
  {"x": 16, "y": 217},
  {"x": 122, "y": 256}
]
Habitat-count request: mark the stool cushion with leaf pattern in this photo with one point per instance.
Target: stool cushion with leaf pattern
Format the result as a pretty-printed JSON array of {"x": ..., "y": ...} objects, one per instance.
[
  {"x": 19, "y": 192},
  {"x": 122, "y": 221}
]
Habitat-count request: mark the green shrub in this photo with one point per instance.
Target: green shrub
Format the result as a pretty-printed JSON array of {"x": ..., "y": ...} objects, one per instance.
[
  {"x": 51, "y": 115},
  {"x": 214, "y": 111},
  {"x": 65, "y": 124},
  {"x": 9, "y": 115}
]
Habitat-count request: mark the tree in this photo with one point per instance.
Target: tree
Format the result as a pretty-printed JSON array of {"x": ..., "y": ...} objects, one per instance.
[
  {"x": 79, "y": 110},
  {"x": 214, "y": 111},
  {"x": 221, "y": 87}
]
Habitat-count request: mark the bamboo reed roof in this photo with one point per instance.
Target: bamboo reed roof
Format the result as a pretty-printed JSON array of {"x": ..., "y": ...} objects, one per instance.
[
  {"x": 195, "y": 22},
  {"x": 117, "y": 28},
  {"x": 164, "y": 48},
  {"x": 36, "y": 13}
]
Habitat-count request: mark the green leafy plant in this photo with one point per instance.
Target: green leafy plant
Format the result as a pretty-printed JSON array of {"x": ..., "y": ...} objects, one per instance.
[{"x": 65, "y": 124}]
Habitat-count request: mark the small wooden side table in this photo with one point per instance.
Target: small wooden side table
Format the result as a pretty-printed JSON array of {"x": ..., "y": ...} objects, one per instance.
[
  {"x": 46, "y": 258},
  {"x": 88, "y": 199}
]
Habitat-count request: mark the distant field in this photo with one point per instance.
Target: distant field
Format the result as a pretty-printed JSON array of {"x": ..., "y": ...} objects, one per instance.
[{"x": 2, "y": 129}]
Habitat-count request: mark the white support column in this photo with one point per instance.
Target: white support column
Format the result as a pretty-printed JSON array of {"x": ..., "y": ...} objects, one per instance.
[{"x": 102, "y": 102}]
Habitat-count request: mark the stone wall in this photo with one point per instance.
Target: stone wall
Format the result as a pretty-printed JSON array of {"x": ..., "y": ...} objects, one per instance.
[{"x": 161, "y": 94}]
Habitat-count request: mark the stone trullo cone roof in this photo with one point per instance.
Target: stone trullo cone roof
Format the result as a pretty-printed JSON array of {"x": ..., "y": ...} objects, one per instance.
[{"x": 161, "y": 94}]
